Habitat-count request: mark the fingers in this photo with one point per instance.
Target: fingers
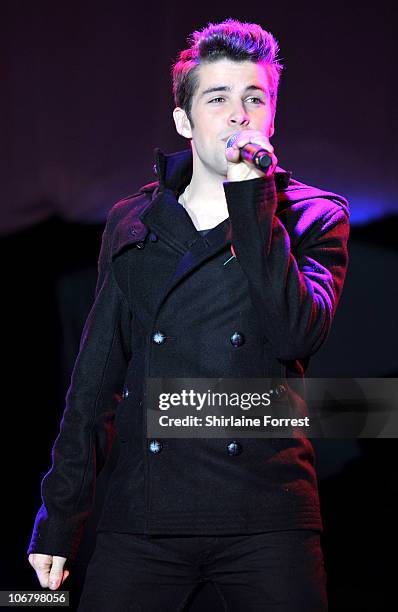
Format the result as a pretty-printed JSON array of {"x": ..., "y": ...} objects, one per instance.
[
  {"x": 49, "y": 569},
  {"x": 232, "y": 153},
  {"x": 42, "y": 566},
  {"x": 57, "y": 574},
  {"x": 65, "y": 575},
  {"x": 237, "y": 168},
  {"x": 255, "y": 137}
]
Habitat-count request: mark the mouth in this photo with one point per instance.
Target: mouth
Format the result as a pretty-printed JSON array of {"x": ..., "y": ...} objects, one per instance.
[{"x": 228, "y": 137}]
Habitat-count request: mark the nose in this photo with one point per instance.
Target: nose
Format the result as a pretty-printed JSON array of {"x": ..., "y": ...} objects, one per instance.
[{"x": 239, "y": 116}]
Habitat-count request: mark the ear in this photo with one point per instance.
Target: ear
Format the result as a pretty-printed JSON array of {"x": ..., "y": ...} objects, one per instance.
[{"x": 182, "y": 123}]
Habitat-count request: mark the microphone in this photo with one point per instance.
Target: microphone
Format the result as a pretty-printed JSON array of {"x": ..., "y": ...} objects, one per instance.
[{"x": 252, "y": 153}]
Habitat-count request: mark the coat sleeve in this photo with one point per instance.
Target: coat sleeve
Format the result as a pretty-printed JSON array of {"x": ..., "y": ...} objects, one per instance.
[
  {"x": 295, "y": 268},
  {"x": 86, "y": 430}
]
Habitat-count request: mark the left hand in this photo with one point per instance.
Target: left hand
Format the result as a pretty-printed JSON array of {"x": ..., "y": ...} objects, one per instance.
[{"x": 241, "y": 170}]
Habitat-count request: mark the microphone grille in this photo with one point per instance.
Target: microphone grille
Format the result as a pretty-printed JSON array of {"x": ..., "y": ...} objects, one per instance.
[{"x": 231, "y": 140}]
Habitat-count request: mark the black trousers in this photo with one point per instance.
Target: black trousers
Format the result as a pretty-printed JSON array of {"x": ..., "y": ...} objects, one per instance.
[{"x": 276, "y": 571}]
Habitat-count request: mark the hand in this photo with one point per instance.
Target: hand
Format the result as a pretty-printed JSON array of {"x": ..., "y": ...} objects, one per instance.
[
  {"x": 49, "y": 569},
  {"x": 241, "y": 170}
]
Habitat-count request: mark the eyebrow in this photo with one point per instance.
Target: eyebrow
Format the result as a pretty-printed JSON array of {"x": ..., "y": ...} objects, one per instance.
[{"x": 227, "y": 88}]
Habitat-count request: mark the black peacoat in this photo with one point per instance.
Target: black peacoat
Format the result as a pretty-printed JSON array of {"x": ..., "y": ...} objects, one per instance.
[{"x": 167, "y": 305}]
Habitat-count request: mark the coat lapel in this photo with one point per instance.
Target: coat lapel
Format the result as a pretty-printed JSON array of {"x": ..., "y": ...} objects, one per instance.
[
  {"x": 203, "y": 248},
  {"x": 170, "y": 221},
  {"x": 159, "y": 211}
]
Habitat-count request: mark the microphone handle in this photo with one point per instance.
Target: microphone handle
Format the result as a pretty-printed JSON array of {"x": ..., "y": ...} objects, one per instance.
[
  {"x": 252, "y": 153},
  {"x": 259, "y": 157}
]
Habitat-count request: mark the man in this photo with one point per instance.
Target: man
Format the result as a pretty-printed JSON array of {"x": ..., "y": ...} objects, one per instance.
[{"x": 218, "y": 269}]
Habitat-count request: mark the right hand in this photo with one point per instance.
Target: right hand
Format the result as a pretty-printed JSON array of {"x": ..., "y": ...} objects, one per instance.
[
  {"x": 241, "y": 170},
  {"x": 49, "y": 569}
]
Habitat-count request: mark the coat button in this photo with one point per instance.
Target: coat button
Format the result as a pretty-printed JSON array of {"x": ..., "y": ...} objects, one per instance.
[
  {"x": 155, "y": 446},
  {"x": 234, "y": 448},
  {"x": 159, "y": 337},
  {"x": 278, "y": 392},
  {"x": 125, "y": 392},
  {"x": 237, "y": 339},
  {"x": 153, "y": 237},
  {"x": 140, "y": 245}
]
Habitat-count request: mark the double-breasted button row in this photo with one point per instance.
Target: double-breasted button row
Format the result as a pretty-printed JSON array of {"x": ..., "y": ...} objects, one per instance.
[
  {"x": 233, "y": 448},
  {"x": 278, "y": 392},
  {"x": 125, "y": 392},
  {"x": 158, "y": 337},
  {"x": 237, "y": 339},
  {"x": 155, "y": 446}
]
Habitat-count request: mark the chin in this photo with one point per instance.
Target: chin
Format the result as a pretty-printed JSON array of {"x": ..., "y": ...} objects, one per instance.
[{"x": 221, "y": 164}]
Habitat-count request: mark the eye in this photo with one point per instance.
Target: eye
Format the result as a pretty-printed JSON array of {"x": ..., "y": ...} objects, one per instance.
[
  {"x": 259, "y": 101},
  {"x": 214, "y": 99}
]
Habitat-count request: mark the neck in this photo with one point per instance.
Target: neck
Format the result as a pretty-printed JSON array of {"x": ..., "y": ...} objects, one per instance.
[{"x": 204, "y": 197}]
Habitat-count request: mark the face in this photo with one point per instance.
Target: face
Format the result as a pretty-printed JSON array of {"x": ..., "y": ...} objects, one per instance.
[{"x": 239, "y": 99}]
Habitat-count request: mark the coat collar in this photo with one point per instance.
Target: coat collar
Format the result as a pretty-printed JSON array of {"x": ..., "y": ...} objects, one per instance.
[
  {"x": 164, "y": 215},
  {"x": 174, "y": 171}
]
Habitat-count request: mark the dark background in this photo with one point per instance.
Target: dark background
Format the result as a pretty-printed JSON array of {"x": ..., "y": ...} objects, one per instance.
[{"x": 85, "y": 98}]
